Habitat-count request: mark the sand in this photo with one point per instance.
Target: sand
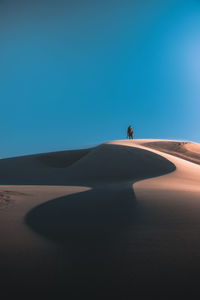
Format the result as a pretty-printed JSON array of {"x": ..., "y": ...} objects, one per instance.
[{"x": 118, "y": 221}]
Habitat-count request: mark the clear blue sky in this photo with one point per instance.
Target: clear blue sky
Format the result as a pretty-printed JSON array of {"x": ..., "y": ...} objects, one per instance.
[{"x": 76, "y": 73}]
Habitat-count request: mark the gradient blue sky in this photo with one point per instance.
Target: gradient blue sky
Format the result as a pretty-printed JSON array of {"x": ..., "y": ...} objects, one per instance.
[{"x": 76, "y": 73}]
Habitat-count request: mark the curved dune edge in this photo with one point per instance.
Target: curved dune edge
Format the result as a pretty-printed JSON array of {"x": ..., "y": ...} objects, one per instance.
[
  {"x": 111, "y": 171},
  {"x": 186, "y": 178},
  {"x": 106, "y": 163},
  {"x": 126, "y": 233},
  {"x": 61, "y": 159},
  {"x": 187, "y": 174},
  {"x": 146, "y": 237},
  {"x": 185, "y": 150}
]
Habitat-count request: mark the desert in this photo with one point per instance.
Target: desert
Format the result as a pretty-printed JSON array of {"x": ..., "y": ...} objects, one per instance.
[{"x": 117, "y": 221}]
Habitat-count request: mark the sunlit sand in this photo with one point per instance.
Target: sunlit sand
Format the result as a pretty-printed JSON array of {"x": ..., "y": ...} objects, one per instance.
[{"x": 118, "y": 221}]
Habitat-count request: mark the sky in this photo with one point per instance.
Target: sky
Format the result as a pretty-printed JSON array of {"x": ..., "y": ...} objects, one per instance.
[{"x": 74, "y": 74}]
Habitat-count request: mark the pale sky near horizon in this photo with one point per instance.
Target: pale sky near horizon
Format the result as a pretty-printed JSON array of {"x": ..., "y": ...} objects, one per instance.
[{"x": 76, "y": 74}]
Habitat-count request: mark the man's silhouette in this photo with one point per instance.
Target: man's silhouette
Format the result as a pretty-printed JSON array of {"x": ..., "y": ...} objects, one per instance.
[{"x": 130, "y": 132}]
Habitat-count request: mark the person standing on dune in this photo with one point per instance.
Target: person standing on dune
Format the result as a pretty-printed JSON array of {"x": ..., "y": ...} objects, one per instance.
[{"x": 130, "y": 132}]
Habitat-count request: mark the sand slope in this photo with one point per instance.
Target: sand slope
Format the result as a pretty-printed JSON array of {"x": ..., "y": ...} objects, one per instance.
[
  {"x": 119, "y": 221},
  {"x": 186, "y": 150},
  {"x": 106, "y": 163}
]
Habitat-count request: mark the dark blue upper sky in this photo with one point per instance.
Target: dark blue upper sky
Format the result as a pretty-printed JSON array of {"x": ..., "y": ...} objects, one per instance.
[{"x": 77, "y": 73}]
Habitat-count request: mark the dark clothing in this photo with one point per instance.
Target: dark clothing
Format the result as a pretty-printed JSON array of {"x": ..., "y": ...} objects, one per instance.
[{"x": 130, "y": 132}]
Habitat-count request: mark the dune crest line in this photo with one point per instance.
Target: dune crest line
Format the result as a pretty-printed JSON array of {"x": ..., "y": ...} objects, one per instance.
[
  {"x": 98, "y": 228},
  {"x": 94, "y": 232},
  {"x": 110, "y": 170}
]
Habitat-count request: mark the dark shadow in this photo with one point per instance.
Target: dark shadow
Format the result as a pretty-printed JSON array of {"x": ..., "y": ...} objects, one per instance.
[
  {"x": 106, "y": 209},
  {"x": 93, "y": 229},
  {"x": 112, "y": 248},
  {"x": 103, "y": 164},
  {"x": 86, "y": 218},
  {"x": 98, "y": 231},
  {"x": 61, "y": 159}
]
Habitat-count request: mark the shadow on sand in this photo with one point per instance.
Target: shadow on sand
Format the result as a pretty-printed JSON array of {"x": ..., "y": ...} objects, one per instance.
[
  {"x": 103, "y": 165},
  {"x": 99, "y": 230},
  {"x": 109, "y": 207}
]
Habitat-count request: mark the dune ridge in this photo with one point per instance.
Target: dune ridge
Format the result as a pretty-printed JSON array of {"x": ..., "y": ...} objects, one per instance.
[
  {"x": 186, "y": 150},
  {"x": 118, "y": 221},
  {"x": 62, "y": 159},
  {"x": 105, "y": 163},
  {"x": 111, "y": 171}
]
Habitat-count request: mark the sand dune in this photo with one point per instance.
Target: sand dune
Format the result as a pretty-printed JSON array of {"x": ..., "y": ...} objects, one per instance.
[
  {"x": 118, "y": 221},
  {"x": 186, "y": 150},
  {"x": 105, "y": 163}
]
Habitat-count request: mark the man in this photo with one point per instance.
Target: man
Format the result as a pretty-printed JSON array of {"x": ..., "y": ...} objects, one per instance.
[{"x": 130, "y": 132}]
